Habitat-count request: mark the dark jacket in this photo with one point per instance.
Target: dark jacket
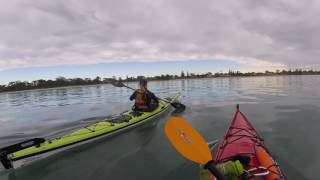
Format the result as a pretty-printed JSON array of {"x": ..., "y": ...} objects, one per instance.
[{"x": 151, "y": 99}]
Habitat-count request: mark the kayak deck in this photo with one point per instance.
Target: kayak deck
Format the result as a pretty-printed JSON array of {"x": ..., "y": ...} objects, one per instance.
[
  {"x": 91, "y": 132},
  {"x": 242, "y": 139}
]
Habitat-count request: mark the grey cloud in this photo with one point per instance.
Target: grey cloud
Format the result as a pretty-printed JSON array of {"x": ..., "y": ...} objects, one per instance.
[{"x": 272, "y": 33}]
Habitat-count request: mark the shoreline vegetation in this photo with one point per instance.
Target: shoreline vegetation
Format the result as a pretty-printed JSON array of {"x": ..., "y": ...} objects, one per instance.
[{"x": 62, "y": 81}]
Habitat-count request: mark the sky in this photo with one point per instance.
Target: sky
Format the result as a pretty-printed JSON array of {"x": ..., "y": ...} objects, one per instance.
[{"x": 46, "y": 39}]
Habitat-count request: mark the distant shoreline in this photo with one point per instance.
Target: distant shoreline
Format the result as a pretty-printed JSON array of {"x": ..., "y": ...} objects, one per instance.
[
  {"x": 107, "y": 81},
  {"x": 52, "y": 88}
]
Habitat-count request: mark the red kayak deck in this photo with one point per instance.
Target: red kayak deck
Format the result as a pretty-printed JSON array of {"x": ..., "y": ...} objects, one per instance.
[{"x": 242, "y": 139}]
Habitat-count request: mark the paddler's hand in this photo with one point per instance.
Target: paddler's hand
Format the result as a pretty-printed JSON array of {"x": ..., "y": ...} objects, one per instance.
[{"x": 231, "y": 169}]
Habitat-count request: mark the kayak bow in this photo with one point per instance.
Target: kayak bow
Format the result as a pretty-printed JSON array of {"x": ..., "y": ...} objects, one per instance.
[{"x": 241, "y": 139}]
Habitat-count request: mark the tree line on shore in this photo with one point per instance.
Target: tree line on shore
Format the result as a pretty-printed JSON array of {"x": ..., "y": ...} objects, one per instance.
[{"x": 62, "y": 81}]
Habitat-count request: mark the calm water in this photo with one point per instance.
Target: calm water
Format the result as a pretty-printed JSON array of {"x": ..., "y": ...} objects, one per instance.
[{"x": 284, "y": 109}]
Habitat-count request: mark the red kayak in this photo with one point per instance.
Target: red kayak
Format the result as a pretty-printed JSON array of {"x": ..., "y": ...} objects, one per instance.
[{"x": 242, "y": 140}]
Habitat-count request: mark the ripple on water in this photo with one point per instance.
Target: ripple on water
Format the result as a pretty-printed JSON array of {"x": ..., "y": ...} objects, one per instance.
[
  {"x": 296, "y": 132},
  {"x": 287, "y": 109}
]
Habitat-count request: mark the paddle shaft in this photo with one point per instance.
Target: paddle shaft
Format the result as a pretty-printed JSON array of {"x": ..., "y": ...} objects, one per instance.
[{"x": 211, "y": 166}]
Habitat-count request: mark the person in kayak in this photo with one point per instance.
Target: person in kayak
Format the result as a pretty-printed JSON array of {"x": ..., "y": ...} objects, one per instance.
[{"x": 145, "y": 100}]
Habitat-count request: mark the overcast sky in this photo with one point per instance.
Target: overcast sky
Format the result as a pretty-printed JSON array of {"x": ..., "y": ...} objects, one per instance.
[{"x": 262, "y": 34}]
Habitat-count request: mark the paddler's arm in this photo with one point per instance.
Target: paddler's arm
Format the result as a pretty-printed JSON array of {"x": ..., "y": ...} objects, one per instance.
[
  {"x": 154, "y": 97},
  {"x": 133, "y": 96}
]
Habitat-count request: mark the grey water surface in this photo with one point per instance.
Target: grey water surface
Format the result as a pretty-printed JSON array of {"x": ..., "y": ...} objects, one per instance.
[{"x": 283, "y": 109}]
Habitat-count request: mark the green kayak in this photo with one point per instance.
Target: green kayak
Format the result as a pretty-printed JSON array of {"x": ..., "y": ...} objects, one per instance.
[{"x": 36, "y": 149}]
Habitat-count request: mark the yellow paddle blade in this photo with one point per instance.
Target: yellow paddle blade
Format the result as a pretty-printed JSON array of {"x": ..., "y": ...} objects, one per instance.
[{"x": 187, "y": 140}]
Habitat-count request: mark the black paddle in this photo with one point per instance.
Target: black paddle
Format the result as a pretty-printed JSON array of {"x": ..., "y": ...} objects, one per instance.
[{"x": 178, "y": 106}]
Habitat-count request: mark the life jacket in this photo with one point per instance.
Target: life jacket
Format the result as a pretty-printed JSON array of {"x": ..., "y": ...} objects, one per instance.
[{"x": 141, "y": 100}]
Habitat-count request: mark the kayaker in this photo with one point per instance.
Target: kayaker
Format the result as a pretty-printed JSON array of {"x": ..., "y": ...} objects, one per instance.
[{"x": 145, "y": 100}]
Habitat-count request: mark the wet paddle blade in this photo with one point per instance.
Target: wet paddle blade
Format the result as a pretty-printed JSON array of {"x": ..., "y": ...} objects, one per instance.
[{"x": 187, "y": 141}]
